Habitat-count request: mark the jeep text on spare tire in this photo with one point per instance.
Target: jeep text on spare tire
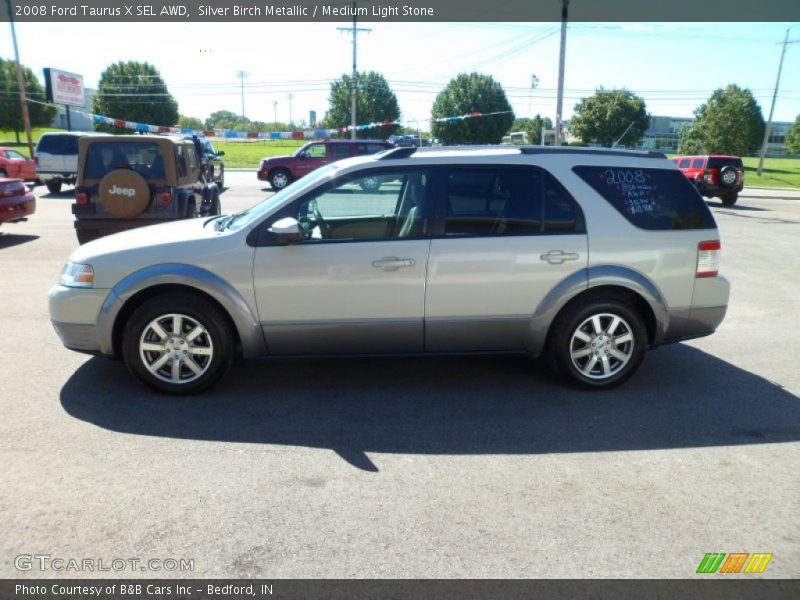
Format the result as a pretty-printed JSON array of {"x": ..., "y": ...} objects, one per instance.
[
  {"x": 585, "y": 257},
  {"x": 133, "y": 180}
]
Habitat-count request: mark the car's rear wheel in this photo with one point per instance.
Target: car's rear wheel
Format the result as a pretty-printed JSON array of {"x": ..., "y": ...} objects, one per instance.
[
  {"x": 597, "y": 343},
  {"x": 54, "y": 186},
  {"x": 221, "y": 179},
  {"x": 3, "y": 173},
  {"x": 178, "y": 343},
  {"x": 191, "y": 210},
  {"x": 279, "y": 179},
  {"x": 730, "y": 199}
]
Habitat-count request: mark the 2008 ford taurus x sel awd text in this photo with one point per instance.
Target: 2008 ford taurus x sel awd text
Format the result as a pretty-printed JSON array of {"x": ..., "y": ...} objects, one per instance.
[{"x": 585, "y": 257}]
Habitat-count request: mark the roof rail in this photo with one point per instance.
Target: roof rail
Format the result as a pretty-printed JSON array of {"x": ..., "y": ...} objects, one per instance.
[
  {"x": 600, "y": 151},
  {"x": 399, "y": 152}
]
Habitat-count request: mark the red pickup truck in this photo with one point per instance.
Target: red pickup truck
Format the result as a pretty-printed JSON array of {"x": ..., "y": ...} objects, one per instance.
[{"x": 280, "y": 171}]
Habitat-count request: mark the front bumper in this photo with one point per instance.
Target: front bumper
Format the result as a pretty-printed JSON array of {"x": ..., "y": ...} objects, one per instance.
[
  {"x": 15, "y": 208},
  {"x": 74, "y": 313}
]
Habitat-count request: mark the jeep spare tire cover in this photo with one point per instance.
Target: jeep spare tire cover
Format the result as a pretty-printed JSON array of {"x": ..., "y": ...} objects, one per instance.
[{"x": 124, "y": 193}]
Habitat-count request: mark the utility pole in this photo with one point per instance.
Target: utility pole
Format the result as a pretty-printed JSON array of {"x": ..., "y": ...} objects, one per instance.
[
  {"x": 275, "y": 113},
  {"x": 23, "y": 103},
  {"x": 562, "y": 55},
  {"x": 289, "y": 97},
  {"x": 353, "y": 80},
  {"x": 786, "y": 42},
  {"x": 241, "y": 75}
]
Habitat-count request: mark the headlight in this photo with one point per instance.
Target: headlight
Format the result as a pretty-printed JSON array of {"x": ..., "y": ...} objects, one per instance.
[{"x": 75, "y": 275}]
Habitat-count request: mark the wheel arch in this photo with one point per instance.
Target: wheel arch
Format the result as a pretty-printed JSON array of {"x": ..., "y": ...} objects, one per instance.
[
  {"x": 599, "y": 281},
  {"x": 147, "y": 283}
]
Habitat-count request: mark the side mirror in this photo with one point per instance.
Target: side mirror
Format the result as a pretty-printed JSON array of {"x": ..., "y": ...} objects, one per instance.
[{"x": 287, "y": 231}]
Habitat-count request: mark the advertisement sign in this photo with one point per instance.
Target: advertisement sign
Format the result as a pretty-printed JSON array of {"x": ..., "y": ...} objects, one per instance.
[{"x": 64, "y": 88}]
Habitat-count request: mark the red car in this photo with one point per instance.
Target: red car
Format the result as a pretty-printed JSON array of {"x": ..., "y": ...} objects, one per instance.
[
  {"x": 280, "y": 171},
  {"x": 714, "y": 175},
  {"x": 16, "y": 202},
  {"x": 14, "y": 164}
]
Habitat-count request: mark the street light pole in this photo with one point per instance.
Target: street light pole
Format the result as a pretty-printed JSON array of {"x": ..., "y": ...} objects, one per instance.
[
  {"x": 289, "y": 97},
  {"x": 562, "y": 56},
  {"x": 23, "y": 103},
  {"x": 242, "y": 75},
  {"x": 786, "y": 42},
  {"x": 275, "y": 113},
  {"x": 534, "y": 83}
]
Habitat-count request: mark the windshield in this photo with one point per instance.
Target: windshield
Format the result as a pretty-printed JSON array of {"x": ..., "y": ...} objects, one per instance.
[
  {"x": 301, "y": 149},
  {"x": 263, "y": 208}
]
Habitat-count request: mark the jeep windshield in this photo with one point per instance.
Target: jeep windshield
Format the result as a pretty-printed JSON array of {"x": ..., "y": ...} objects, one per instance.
[
  {"x": 143, "y": 157},
  {"x": 263, "y": 208}
]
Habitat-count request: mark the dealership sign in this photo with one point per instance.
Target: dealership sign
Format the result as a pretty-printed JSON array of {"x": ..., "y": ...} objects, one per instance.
[{"x": 64, "y": 88}]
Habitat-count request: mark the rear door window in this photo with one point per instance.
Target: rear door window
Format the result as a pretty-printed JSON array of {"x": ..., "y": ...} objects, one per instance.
[
  {"x": 684, "y": 164},
  {"x": 655, "y": 199},
  {"x": 718, "y": 163},
  {"x": 142, "y": 157},
  {"x": 499, "y": 201},
  {"x": 697, "y": 163},
  {"x": 339, "y": 151}
]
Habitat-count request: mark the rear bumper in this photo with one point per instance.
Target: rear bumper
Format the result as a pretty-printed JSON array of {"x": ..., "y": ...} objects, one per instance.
[
  {"x": 15, "y": 208},
  {"x": 710, "y": 189},
  {"x": 709, "y": 305}
]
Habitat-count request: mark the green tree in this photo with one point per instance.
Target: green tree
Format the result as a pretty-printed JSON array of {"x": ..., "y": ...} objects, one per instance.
[
  {"x": 729, "y": 123},
  {"x": 375, "y": 102},
  {"x": 10, "y": 112},
  {"x": 607, "y": 115},
  {"x": 793, "y": 138},
  {"x": 226, "y": 119},
  {"x": 533, "y": 127},
  {"x": 190, "y": 123},
  {"x": 134, "y": 91},
  {"x": 471, "y": 93},
  {"x": 690, "y": 140}
]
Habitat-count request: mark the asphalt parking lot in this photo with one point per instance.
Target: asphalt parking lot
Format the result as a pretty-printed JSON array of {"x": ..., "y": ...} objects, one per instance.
[{"x": 441, "y": 467}]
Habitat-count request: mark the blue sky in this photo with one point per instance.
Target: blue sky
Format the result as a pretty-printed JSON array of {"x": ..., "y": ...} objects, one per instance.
[{"x": 674, "y": 66}]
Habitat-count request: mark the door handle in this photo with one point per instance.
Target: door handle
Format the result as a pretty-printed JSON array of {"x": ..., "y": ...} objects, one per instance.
[
  {"x": 557, "y": 257},
  {"x": 392, "y": 263}
]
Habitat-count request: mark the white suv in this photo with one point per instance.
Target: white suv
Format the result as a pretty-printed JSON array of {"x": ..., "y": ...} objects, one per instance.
[
  {"x": 56, "y": 157},
  {"x": 584, "y": 257}
]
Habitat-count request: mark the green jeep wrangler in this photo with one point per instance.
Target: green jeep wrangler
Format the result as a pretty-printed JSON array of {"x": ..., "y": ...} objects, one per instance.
[{"x": 130, "y": 181}]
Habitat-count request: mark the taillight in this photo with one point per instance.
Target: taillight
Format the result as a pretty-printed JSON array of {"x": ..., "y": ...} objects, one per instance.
[
  {"x": 708, "y": 254},
  {"x": 81, "y": 198},
  {"x": 708, "y": 176},
  {"x": 165, "y": 197}
]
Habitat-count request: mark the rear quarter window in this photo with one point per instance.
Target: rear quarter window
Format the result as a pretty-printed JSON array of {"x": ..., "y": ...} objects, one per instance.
[
  {"x": 654, "y": 199},
  {"x": 58, "y": 144}
]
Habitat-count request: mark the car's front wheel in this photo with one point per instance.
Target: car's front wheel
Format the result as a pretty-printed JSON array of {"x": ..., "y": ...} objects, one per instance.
[
  {"x": 54, "y": 186},
  {"x": 597, "y": 343},
  {"x": 279, "y": 179},
  {"x": 178, "y": 343}
]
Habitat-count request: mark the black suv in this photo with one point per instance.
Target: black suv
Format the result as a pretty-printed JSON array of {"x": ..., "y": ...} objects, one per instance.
[
  {"x": 213, "y": 169},
  {"x": 128, "y": 181}
]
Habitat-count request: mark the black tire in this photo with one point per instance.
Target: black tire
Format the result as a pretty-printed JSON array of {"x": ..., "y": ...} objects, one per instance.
[
  {"x": 216, "y": 207},
  {"x": 220, "y": 181},
  {"x": 728, "y": 176},
  {"x": 279, "y": 179},
  {"x": 218, "y": 338},
  {"x": 3, "y": 173},
  {"x": 87, "y": 235},
  {"x": 191, "y": 210},
  {"x": 53, "y": 186},
  {"x": 577, "y": 319},
  {"x": 730, "y": 199}
]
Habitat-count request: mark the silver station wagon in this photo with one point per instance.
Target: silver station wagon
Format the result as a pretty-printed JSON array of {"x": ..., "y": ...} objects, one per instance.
[{"x": 584, "y": 257}]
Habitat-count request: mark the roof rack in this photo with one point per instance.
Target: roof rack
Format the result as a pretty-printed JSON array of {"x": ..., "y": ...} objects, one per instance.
[
  {"x": 406, "y": 151},
  {"x": 600, "y": 151}
]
